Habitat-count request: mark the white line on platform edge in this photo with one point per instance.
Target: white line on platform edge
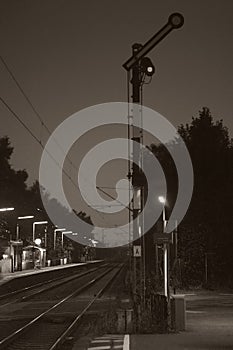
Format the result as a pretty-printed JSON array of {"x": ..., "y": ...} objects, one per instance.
[{"x": 126, "y": 342}]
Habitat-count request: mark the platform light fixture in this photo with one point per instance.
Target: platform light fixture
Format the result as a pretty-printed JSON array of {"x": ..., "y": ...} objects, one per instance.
[
  {"x": 6, "y": 209},
  {"x": 34, "y": 227},
  {"x": 55, "y": 235}
]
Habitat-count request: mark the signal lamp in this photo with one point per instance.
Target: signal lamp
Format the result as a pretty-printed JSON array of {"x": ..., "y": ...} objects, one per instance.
[{"x": 147, "y": 66}]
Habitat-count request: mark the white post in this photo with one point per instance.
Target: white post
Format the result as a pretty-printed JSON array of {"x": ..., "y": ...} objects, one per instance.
[
  {"x": 17, "y": 232},
  {"x": 165, "y": 257},
  {"x": 62, "y": 239},
  {"x": 165, "y": 270},
  {"x": 33, "y": 231},
  {"x": 54, "y": 238}
]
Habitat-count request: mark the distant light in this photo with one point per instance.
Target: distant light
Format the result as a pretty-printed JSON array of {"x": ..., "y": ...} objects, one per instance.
[
  {"x": 59, "y": 229},
  {"x": 7, "y": 209},
  {"x": 74, "y": 233},
  {"x": 38, "y": 241},
  {"x": 40, "y": 222},
  {"x": 25, "y": 217},
  {"x": 162, "y": 199}
]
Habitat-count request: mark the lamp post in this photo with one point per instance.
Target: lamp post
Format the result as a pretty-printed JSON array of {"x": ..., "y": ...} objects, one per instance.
[
  {"x": 62, "y": 236},
  {"x": 17, "y": 225},
  {"x": 6, "y": 209},
  {"x": 18, "y": 261},
  {"x": 34, "y": 228},
  {"x": 55, "y": 235},
  {"x": 162, "y": 200}
]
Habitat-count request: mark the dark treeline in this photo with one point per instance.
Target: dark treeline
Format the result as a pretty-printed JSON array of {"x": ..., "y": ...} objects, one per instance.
[
  {"x": 205, "y": 234},
  {"x": 26, "y": 200}
]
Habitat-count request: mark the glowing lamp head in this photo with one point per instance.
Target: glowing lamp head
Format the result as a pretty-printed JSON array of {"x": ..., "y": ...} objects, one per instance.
[
  {"x": 38, "y": 241},
  {"x": 162, "y": 199}
]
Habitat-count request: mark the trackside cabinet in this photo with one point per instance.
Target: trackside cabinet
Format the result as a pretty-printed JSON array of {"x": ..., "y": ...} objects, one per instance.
[{"x": 178, "y": 312}]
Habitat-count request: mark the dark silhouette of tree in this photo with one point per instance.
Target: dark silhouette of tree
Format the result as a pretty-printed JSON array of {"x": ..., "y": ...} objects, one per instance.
[
  {"x": 206, "y": 230},
  {"x": 12, "y": 183},
  {"x": 209, "y": 219},
  {"x": 14, "y": 192},
  {"x": 13, "y": 189}
]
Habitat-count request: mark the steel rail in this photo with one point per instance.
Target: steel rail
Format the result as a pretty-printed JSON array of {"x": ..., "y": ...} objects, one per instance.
[
  {"x": 15, "y": 292},
  {"x": 71, "y": 327},
  {"x": 14, "y": 336},
  {"x": 62, "y": 280}
]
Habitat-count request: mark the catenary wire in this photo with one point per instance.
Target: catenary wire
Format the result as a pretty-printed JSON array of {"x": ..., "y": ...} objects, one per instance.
[
  {"x": 16, "y": 116},
  {"x": 32, "y": 107}
]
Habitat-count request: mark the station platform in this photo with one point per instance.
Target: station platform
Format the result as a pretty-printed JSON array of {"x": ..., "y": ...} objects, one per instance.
[
  {"x": 209, "y": 325},
  {"x": 105, "y": 342},
  {"x": 6, "y": 277}
]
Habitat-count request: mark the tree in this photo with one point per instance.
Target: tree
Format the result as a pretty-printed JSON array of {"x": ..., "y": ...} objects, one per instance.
[
  {"x": 13, "y": 187},
  {"x": 209, "y": 216},
  {"x": 61, "y": 211},
  {"x": 26, "y": 201},
  {"x": 12, "y": 183},
  {"x": 206, "y": 230}
]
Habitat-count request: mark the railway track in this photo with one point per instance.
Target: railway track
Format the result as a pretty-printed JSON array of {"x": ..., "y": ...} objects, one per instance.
[
  {"x": 49, "y": 329},
  {"x": 27, "y": 292}
]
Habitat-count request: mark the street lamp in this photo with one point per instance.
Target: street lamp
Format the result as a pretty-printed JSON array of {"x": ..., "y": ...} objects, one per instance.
[
  {"x": 6, "y": 209},
  {"x": 34, "y": 227},
  {"x": 55, "y": 235},
  {"x": 17, "y": 225},
  {"x": 62, "y": 236},
  {"x": 162, "y": 200}
]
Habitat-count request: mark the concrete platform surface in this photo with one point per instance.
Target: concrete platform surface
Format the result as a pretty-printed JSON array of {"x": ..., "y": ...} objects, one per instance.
[
  {"x": 209, "y": 326},
  {"x": 105, "y": 342},
  {"x": 11, "y": 275}
]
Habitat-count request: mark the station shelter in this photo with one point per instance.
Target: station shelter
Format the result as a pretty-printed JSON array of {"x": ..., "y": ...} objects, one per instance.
[{"x": 33, "y": 257}]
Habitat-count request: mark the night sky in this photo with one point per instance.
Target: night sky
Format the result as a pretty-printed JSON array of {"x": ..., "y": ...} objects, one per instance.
[{"x": 68, "y": 55}]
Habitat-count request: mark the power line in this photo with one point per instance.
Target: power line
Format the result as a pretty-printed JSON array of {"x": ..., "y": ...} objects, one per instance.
[
  {"x": 17, "y": 117},
  {"x": 43, "y": 125},
  {"x": 107, "y": 194},
  {"x": 38, "y": 116},
  {"x": 35, "y": 138},
  {"x": 33, "y": 108}
]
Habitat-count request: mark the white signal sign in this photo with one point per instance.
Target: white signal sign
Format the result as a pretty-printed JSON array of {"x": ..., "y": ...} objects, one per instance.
[{"x": 137, "y": 251}]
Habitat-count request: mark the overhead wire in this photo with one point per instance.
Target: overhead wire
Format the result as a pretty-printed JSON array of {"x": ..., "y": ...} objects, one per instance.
[
  {"x": 16, "y": 116},
  {"x": 43, "y": 124}
]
